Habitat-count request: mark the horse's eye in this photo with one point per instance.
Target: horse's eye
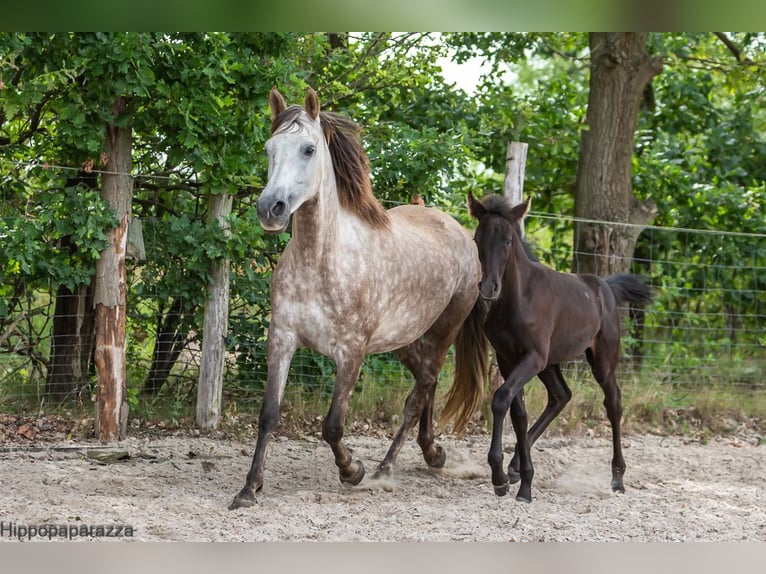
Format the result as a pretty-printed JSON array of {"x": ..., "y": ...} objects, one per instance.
[
  {"x": 309, "y": 151},
  {"x": 508, "y": 242}
]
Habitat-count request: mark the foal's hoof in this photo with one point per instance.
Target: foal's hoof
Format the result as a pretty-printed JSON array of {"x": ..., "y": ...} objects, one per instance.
[
  {"x": 502, "y": 490},
  {"x": 524, "y": 494},
  {"x": 242, "y": 501},
  {"x": 441, "y": 458},
  {"x": 618, "y": 487},
  {"x": 384, "y": 471},
  {"x": 353, "y": 473},
  {"x": 513, "y": 475}
]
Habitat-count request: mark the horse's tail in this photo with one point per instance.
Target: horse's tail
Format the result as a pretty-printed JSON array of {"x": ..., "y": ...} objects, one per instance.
[
  {"x": 471, "y": 370},
  {"x": 629, "y": 288}
]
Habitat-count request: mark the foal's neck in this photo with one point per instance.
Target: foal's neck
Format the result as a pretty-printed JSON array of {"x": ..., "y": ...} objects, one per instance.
[{"x": 518, "y": 268}]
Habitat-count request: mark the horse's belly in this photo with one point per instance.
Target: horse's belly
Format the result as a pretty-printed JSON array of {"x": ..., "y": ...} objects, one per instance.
[{"x": 401, "y": 324}]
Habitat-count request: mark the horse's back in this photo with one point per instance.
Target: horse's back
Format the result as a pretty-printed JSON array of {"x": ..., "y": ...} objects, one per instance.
[{"x": 428, "y": 224}]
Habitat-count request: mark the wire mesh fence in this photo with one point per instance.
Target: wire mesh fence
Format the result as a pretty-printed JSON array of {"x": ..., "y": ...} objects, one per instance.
[{"x": 705, "y": 327}]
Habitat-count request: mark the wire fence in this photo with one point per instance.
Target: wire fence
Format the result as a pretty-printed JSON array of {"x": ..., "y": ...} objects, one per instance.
[{"x": 707, "y": 325}]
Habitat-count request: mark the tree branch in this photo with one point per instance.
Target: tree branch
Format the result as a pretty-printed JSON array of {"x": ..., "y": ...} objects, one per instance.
[{"x": 733, "y": 48}]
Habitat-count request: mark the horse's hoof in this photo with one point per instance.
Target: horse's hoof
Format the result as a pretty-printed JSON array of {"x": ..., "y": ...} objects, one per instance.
[
  {"x": 353, "y": 473},
  {"x": 618, "y": 487},
  {"x": 242, "y": 501},
  {"x": 441, "y": 458},
  {"x": 502, "y": 490},
  {"x": 513, "y": 475},
  {"x": 521, "y": 498}
]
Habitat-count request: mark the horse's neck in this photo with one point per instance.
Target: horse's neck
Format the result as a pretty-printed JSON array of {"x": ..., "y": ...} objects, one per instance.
[{"x": 315, "y": 224}]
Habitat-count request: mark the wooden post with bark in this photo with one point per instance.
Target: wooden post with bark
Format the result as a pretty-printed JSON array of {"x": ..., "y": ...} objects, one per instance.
[
  {"x": 110, "y": 290},
  {"x": 210, "y": 388}
]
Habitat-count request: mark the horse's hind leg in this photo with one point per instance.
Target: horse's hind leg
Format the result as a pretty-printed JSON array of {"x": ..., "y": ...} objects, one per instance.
[
  {"x": 558, "y": 396},
  {"x": 424, "y": 359},
  {"x": 604, "y": 364},
  {"x": 350, "y": 471}
]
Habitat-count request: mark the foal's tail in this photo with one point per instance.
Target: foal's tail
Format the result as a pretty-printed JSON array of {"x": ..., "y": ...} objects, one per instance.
[
  {"x": 471, "y": 370},
  {"x": 629, "y": 288}
]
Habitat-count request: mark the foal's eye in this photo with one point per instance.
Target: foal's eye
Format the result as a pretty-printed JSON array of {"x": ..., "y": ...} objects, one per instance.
[
  {"x": 309, "y": 151},
  {"x": 508, "y": 242}
]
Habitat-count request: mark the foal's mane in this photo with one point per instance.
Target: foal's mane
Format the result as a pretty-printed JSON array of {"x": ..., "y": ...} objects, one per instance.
[{"x": 349, "y": 160}]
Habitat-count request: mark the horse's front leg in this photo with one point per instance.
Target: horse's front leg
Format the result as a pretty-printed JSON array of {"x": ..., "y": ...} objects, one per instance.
[
  {"x": 350, "y": 471},
  {"x": 280, "y": 350}
]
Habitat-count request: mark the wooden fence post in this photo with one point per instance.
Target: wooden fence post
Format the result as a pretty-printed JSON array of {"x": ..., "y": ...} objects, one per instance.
[{"x": 210, "y": 387}]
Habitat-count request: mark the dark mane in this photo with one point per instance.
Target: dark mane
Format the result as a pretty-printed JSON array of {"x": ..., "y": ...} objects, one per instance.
[
  {"x": 500, "y": 206},
  {"x": 351, "y": 164}
]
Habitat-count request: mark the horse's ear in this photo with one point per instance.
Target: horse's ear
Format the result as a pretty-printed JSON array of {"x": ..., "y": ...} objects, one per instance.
[
  {"x": 311, "y": 104},
  {"x": 475, "y": 207},
  {"x": 276, "y": 103}
]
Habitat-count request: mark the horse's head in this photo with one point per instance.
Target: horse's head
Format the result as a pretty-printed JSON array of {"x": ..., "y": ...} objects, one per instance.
[
  {"x": 297, "y": 153},
  {"x": 495, "y": 235}
]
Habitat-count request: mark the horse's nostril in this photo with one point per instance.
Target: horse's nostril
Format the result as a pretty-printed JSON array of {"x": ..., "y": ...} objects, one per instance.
[{"x": 278, "y": 208}]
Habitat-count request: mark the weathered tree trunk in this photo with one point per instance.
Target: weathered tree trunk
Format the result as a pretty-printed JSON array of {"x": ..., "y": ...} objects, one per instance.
[
  {"x": 620, "y": 70},
  {"x": 171, "y": 340},
  {"x": 110, "y": 296},
  {"x": 72, "y": 333},
  {"x": 210, "y": 389},
  {"x": 72, "y": 340}
]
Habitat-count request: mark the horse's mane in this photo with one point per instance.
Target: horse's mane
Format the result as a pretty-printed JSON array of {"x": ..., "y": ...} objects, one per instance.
[
  {"x": 500, "y": 206},
  {"x": 351, "y": 164}
]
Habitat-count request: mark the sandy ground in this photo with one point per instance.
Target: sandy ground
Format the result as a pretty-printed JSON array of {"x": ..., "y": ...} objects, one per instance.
[{"x": 178, "y": 488}]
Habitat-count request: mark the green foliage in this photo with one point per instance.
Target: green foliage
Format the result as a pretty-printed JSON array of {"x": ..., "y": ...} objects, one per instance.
[
  {"x": 198, "y": 109},
  {"x": 56, "y": 240}
]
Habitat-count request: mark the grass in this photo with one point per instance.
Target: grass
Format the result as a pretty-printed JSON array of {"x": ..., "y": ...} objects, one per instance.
[{"x": 649, "y": 405}]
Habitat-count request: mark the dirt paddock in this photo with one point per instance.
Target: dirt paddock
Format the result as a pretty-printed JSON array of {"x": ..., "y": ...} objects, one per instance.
[{"x": 178, "y": 488}]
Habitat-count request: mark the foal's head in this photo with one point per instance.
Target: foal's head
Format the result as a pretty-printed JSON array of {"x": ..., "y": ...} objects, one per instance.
[{"x": 498, "y": 230}]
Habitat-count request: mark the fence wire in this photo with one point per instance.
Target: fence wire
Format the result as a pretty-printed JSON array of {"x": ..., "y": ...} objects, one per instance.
[{"x": 707, "y": 325}]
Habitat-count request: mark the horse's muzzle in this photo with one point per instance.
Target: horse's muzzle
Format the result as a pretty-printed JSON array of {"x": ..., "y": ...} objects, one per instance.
[{"x": 274, "y": 214}]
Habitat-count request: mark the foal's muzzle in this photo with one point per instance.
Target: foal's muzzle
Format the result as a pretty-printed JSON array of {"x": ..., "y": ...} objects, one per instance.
[{"x": 489, "y": 289}]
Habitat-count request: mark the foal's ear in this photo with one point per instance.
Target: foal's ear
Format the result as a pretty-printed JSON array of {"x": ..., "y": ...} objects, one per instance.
[
  {"x": 311, "y": 104},
  {"x": 520, "y": 211},
  {"x": 475, "y": 207},
  {"x": 276, "y": 103}
]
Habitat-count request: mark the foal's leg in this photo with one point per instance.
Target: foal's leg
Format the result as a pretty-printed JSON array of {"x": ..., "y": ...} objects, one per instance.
[
  {"x": 558, "y": 396},
  {"x": 604, "y": 365},
  {"x": 281, "y": 347},
  {"x": 527, "y": 368},
  {"x": 520, "y": 422},
  {"x": 350, "y": 471}
]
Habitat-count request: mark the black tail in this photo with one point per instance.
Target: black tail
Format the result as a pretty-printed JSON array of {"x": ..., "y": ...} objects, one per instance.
[{"x": 629, "y": 288}]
